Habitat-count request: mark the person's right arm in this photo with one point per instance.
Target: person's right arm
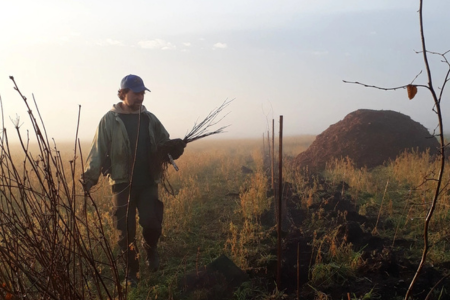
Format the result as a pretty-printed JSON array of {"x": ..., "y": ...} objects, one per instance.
[{"x": 97, "y": 155}]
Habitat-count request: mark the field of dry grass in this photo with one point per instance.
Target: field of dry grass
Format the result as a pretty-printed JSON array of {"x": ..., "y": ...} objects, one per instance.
[
  {"x": 214, "y": 210},
  {"x": 217, "y": 209}
]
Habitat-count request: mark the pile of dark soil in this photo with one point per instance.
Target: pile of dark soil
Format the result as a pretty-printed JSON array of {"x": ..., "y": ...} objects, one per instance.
[{"x": 368, "y": 138}]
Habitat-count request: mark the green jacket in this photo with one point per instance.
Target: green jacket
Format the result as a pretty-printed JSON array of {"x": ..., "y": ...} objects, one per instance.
[{"x": 111, "y": 143}]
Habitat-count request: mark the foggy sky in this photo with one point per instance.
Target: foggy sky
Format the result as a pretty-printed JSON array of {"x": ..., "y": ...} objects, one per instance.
[{"x": 273, "y": 57}]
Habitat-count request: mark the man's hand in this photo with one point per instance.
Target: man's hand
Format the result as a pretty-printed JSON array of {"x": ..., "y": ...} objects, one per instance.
[{"x": 175, "y": 147}]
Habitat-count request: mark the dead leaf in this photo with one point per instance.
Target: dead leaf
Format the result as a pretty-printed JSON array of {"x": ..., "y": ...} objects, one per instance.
[{"x": 412, "y": 91}]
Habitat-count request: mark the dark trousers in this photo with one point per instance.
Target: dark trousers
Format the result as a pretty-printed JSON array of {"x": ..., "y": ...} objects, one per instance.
[{"x": 150, "y": 209}]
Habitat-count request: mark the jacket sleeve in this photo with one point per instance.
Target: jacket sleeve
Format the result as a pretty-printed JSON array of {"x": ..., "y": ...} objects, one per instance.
[
  {"x": 99, "y": 152},
  {"x": 161, "y": 134}
]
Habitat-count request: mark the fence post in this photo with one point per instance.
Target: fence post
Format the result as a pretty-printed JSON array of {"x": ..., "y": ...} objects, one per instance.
[
  {"x": 298, "y": 271},
  {"x": 272, "y": 158},
  {"x": 264, "y": 146},
  {"x": 280, "y": 186}
]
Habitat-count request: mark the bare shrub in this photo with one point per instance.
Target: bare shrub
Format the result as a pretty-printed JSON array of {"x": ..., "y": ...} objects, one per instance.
[{"x": 52, "y": 243}]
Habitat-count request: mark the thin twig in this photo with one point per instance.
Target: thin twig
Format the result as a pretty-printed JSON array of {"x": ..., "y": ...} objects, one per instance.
[
  {"x": 442, "y": 165},
  {"x": 383, "y": 88},
  {"x": 200, "y": 130}
]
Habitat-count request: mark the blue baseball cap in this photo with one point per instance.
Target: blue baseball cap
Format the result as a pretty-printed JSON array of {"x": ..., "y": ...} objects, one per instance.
[{"x": 134, "y": 83}]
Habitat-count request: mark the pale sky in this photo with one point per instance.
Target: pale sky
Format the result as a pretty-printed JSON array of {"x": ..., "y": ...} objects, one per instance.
[{"x": 274, "y": 57}]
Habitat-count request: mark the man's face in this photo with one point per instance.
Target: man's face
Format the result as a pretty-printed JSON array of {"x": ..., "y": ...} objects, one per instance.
[{"x": 134, "y": 100}]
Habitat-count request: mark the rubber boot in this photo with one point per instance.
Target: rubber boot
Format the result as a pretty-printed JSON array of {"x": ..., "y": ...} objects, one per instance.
[
  {"x": 132, "y": 267},
  {"x": 152, "y": 259},
  {"x": 149, "y": 243}
]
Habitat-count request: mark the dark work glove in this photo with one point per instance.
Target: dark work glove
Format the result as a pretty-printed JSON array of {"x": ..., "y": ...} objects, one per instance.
[
  {"x": 87, "y": 186},
  {"x": 174, "y": 147}
]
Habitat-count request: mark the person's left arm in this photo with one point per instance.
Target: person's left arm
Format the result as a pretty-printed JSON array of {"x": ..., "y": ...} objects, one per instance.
[{"x": 165, "y": 145}]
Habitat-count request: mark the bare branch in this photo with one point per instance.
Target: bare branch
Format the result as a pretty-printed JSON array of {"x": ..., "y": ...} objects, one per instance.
[
  {"x": 446, "y": 79},
  {"x": 46, "y": 248},
  {"x": 383, "y": 88},
  {"x": 201, "y": 129},
  {"x": 436, "y": 285},
  {"x": 416, "y": 77},
  {"x": 442, "y": 156}
]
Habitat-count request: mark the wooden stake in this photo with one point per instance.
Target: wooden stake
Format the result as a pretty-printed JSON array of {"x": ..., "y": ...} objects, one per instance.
[
  {"x": 272, "y": 159},
  {"x": 264, "y": 146},
  {"x": 280, "y": 186},
  {"x": 298, "y": 271}
]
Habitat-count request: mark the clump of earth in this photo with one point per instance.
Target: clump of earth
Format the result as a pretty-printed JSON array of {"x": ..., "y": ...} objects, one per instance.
[{"x": 369, "y": 138}]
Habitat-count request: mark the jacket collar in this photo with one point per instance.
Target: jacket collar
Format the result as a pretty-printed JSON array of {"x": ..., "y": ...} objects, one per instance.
[{"x": 117, "y": 108}]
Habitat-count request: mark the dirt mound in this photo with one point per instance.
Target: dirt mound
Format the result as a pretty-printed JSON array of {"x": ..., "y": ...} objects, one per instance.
[{"x": 369, "y": 138}]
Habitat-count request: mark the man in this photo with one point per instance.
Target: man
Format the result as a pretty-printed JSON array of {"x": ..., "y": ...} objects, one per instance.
[{"x": 130, "y": 146}]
